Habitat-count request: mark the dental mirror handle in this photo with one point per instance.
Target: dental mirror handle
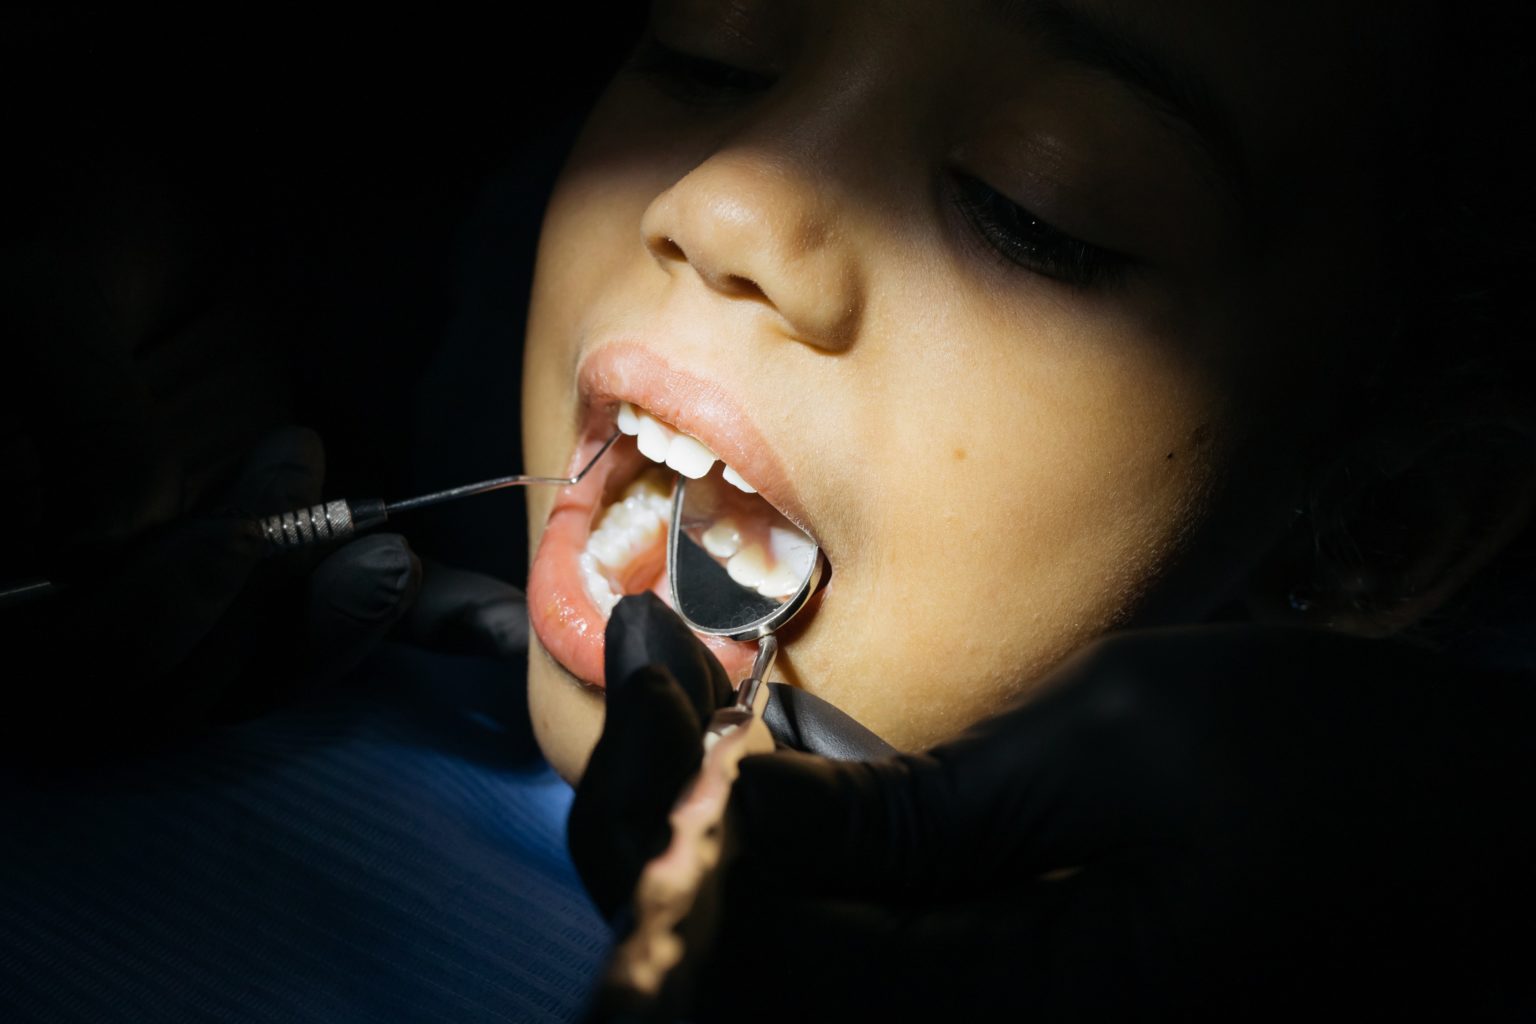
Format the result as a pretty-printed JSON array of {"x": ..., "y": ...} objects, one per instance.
[
  {"x": 746, "y": 691},
  {"x": 728, "y": 719}
]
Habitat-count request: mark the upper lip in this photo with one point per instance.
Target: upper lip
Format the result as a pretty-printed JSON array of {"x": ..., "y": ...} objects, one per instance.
[{"x": 631, "y": 372}]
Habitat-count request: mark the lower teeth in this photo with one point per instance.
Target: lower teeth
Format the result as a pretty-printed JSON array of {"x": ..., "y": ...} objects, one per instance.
[
  {"x": 773, "y": 562},
  {"x": 627, "y": 529}
]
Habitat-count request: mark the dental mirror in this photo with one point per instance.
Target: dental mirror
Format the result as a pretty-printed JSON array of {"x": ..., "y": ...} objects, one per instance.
[{"x": 737, "y": 568}]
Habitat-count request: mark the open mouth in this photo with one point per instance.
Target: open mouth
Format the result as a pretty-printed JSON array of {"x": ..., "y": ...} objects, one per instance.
[{"x": 607, "y": 536}]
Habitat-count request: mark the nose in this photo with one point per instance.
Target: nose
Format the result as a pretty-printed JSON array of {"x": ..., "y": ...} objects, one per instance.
[{"x": 755, "y": 229}]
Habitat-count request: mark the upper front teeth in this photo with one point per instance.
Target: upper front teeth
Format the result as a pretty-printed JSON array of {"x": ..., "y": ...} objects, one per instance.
[
  {"x": 734, "y": 478},
  {"x": 660, "y": 443},
  {"x": 689, "y": 457}
]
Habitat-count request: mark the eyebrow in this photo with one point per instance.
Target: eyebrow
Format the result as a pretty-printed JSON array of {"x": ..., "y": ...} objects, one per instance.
[{"x": 1178, "y": 93}]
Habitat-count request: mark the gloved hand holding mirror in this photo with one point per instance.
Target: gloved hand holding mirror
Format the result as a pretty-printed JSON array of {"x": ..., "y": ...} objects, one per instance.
[{"x": 1203, "y": 820}]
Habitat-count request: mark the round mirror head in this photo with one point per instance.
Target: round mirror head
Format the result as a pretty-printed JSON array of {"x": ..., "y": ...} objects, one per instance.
[{"x": 737, "y": 568}]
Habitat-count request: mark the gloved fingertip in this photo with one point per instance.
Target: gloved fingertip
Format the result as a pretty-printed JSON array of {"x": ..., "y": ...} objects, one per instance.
[
  {"x": 466, "y": 612},
  {"x": 355, "y": 596},
  {"x": 372, "y": 580},
  {"x": 505, "y": 625},
  {"x": 640, "y": 631},
  {"x": 643, "y": 631}
]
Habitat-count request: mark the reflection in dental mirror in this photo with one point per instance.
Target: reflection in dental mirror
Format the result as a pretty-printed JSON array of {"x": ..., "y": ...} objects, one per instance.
[{"x": 737, "y": 567}]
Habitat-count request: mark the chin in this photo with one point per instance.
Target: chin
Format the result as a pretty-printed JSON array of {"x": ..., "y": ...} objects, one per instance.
[{"x": 567, "y": 716}]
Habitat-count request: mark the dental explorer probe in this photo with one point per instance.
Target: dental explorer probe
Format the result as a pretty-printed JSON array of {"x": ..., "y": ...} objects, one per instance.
[
  {"x": 340, "y": 519},
  {"x": 335, "y": 520}
]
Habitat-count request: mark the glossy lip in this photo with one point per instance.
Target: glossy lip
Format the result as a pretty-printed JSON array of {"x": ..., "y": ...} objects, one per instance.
[
  {"x": 568, "y": 625},
  {"x": 628, "y": 371}
]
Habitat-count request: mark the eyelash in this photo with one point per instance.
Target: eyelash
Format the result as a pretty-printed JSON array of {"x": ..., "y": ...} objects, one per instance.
[
  {"x": 1012, "y": 232},
  {"x": 1020, "y": 237},
  {"x": 692, "y": 78}
]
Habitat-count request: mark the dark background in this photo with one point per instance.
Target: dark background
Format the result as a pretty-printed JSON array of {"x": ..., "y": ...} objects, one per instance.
[
  {"x": 358, "y": 196},
  {"x": 252, "y": 218},
  {"x": 342, "y": 212}
]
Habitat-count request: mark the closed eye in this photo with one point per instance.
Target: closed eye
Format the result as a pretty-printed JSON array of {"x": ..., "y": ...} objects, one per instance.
[
  {"x": 695, "y": 78},
  {"x": 1020, "y": 237}
]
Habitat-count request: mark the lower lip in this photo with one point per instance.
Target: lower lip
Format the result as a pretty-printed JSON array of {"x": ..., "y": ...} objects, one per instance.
[{"x": 569, "y": 625}]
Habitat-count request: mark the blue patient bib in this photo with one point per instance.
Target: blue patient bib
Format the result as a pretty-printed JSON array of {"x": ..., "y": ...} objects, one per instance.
[{"x": 393, "y": 853}]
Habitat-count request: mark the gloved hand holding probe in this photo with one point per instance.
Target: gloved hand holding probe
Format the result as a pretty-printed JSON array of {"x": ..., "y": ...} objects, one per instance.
[
  {"x": 1223, "y": 821},
  {"x": 194, "y": 616}
]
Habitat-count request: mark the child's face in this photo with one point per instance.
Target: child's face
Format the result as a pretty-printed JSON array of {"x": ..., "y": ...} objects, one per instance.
[{"x": 805, "y": 244}]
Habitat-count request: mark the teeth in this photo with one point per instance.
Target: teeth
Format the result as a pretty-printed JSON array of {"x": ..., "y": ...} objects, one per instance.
[
  {"x": 654, "y": 439},
  {"x": 793, "y": 550},
  {"x": 782, "y": 582},
  {"x": 749, "y": 566},
  {"x": 609, "y": 550},
  {"x": 631, "y": 526},
  {"x": 660, "y": 443},
  {"x": 628, "y": 527},
  {"x": 722, "y": 539},
  {"x": 793, "y": 553},
  {"x": 597, "y": 585},
  {"x": 689, "y": 457},
  {"x": 629, "y": 422},
  {"x": 734, "y": 479}
]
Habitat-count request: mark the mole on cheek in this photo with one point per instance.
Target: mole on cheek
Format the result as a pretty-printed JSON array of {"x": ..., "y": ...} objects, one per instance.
[
  {"x": 1197, "y": 438},
  {"x": 959, "y": 454}
]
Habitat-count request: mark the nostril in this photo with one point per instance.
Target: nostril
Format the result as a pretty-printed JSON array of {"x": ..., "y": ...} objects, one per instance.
[
  {"x": 666, "y": 249},
  {"x": 742, "y": 287}
]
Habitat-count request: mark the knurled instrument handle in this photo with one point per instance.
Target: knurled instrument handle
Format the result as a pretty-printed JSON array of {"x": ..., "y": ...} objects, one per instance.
[{"x": 316, "y": 524}]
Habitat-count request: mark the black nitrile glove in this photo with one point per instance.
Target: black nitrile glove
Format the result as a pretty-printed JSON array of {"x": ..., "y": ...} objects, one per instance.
[
  {"x": 662, "y": 687},
  {"x": 188, "y": 619},
  {"x": 151, "y": 349},
  {"x": 459, "y": 611},
  {"x": 665, "y": 683},
  {"x": 193, "y": 619},
  {"x": 803, "y": 721},
  {"x": 1210, "y": 822}
]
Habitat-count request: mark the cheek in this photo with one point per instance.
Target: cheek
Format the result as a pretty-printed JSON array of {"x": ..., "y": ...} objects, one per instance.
[
  {"x": 1019, "y": 500},
  {"x": 589, "y": 245},
  {"x": 627, "y": 155},
  {"x": 990, "y": 460}
]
